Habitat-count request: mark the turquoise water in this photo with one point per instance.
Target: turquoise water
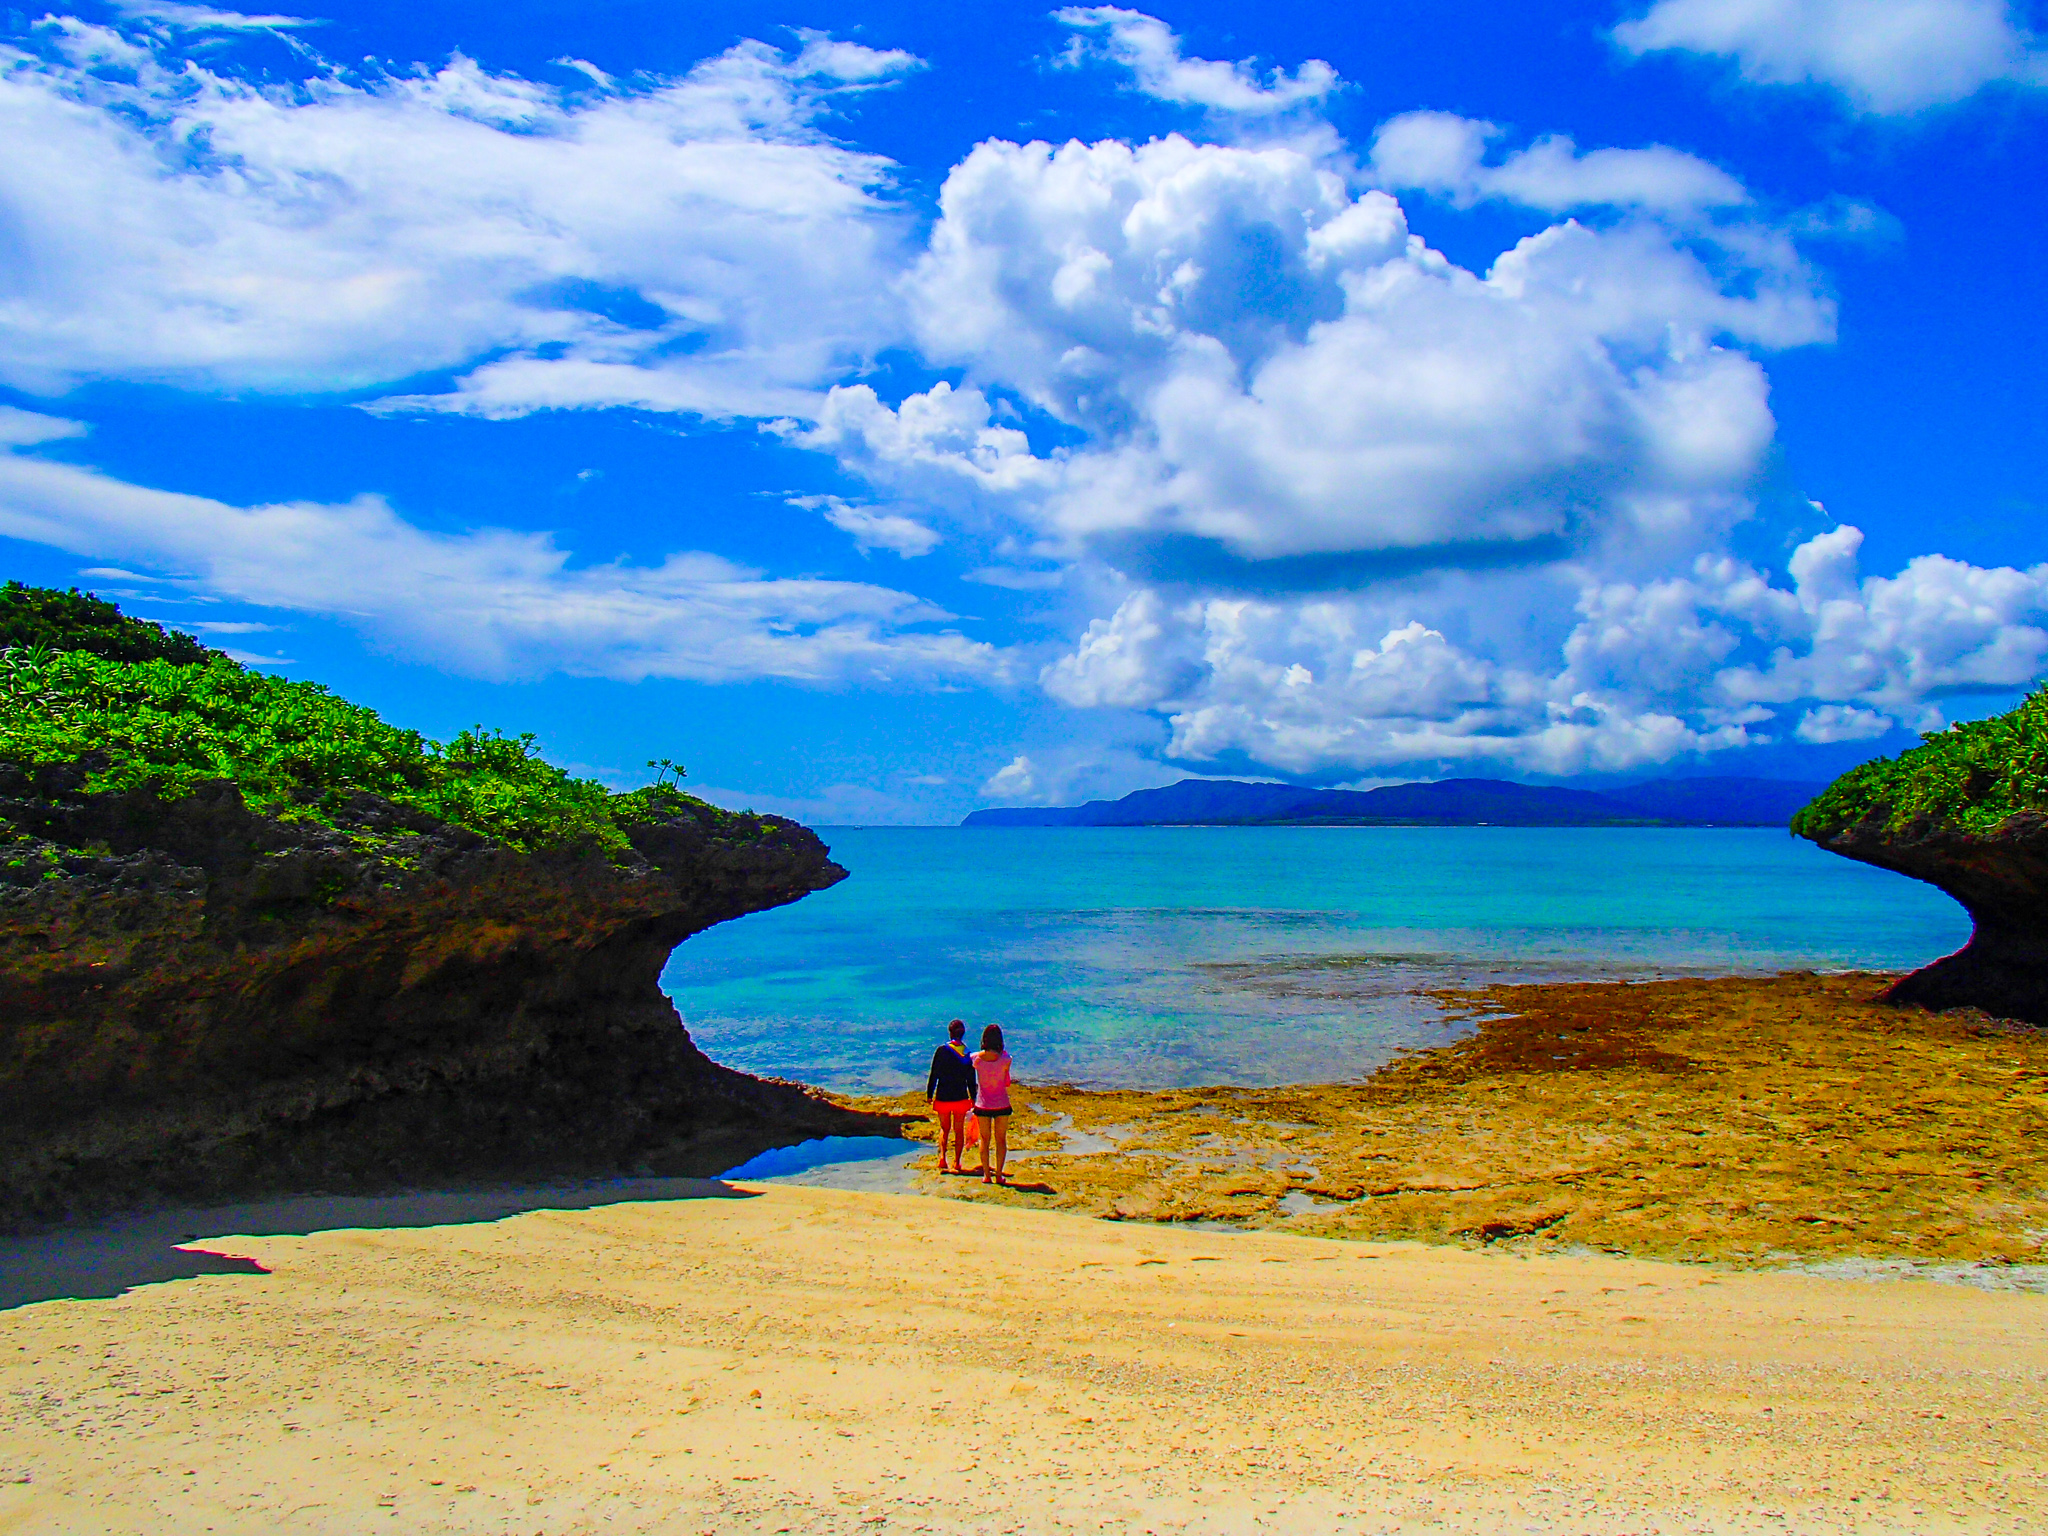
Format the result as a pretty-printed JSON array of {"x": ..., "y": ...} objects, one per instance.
[{"x": 1158, "y": 956}]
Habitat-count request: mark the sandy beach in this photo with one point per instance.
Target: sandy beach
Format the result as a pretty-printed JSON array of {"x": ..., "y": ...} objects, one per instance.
[
  {"x": 1678, "y": 1273},
  {"x": 805, "y": 1360}
]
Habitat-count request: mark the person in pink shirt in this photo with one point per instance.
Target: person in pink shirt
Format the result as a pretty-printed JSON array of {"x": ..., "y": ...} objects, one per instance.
[{"x": 992, "y": 1104}]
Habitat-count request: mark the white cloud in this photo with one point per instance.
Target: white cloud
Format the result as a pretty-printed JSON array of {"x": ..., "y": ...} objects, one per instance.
[
  {"x": 1017, "y": 578},
  {"x": 825, "y": 57},
  {"x": 219, "y": 627},
  {"x": 1719, "y": 658},
  {"x": 1248, "y": 356},
  {"x": 1193, "y": 375},
  {"x": 1150, "y": 49},
  {"x": 689, "y": 244},
  {"x": 1938, "y": 627},
  {"x": 1841, "y": 722},
  {"x": 1885, "y": 56},
  {"x": 1444, "y": 154},
  {"x": 933, "y": 438},
  {"x": 873, "y": 528},
  {"x": 1016, "y": 780},
  {"x": 496, "y": 602},
  {"x": 22, "y": 429},
  {"x": 1138, "y": 657},
  {"x": 205, "y": 18}
]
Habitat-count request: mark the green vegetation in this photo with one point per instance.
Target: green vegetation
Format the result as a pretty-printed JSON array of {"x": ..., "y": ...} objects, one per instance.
[
  {"x": 78, "y": 621},
  {"x": 1971, "y": 776},
  {"x": 173, "y": 721}
]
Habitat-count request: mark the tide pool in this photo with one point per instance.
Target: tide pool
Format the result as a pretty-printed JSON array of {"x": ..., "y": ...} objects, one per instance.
[{"x": 1171, "y": 956}]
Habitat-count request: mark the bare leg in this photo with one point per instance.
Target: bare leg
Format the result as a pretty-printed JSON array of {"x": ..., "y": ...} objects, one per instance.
[
  {"x": 1001, "y": 1127},
  {"x": 982, "y": 1134},
  {"x": 946, "y": 1133},
  {"x": 959, "y": 1141}
]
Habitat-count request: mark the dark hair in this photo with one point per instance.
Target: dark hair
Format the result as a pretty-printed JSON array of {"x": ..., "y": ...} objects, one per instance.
[
  {"x": 992, "y": 1039},
  {"x": 956, "y": 1030}
]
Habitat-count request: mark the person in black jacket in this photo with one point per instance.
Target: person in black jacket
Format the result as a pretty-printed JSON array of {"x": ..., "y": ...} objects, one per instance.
[{"x": 950, "y": 1088}]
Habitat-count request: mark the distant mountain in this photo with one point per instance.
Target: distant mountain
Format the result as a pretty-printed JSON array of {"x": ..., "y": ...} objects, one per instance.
[{"x": 1446, "y": 803}]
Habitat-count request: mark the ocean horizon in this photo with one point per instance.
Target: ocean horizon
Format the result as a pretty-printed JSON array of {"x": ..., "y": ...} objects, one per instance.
[{"x": 1154, "y": 957}]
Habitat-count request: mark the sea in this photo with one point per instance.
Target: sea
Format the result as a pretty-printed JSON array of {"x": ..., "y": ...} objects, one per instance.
[{"x": 1154, "y": 957}]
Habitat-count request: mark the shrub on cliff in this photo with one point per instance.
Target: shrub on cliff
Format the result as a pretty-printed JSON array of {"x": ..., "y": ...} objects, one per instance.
[
  {"x": 293, "y": 748},
  {"x": 1970, "y": 776},
  {"x": 42, "y": 617}
]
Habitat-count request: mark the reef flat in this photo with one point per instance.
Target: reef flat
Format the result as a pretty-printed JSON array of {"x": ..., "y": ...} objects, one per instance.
[{"x": 1735, "y": 1120}]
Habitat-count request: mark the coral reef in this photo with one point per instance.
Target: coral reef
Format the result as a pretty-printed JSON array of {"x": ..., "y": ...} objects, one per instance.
[{"x": 1744, "y": 1120}]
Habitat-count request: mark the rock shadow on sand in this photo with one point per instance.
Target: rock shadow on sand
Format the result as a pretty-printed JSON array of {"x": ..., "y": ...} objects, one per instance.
[{"x": 112, "y": 1257}]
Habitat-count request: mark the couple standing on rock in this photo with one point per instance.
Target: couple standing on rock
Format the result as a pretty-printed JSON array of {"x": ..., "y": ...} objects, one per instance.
[{"x": 958, "y": 1083}]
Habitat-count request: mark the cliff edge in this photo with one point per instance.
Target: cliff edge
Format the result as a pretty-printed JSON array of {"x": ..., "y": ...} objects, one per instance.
[
  {"x": 255, "y": 940},
  {"x": 1967, "y": 811},
  {"x": 199, "y": 1001}
]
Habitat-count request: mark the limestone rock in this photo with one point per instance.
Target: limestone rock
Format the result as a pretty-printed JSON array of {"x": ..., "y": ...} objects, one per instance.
[
  {"x": 2001, "y": 878},
  {"x": 198, "y": 1001}
]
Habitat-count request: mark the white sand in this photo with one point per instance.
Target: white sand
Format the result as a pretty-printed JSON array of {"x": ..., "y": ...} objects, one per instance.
[{"x": 820, "y": 1360}]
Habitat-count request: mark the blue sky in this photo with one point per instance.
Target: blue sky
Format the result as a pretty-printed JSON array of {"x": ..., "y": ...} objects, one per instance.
[{"x": 888, "y": 410}]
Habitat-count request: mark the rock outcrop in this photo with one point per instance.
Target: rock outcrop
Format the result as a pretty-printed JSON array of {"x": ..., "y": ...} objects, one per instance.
[
  {"x": 2001, "y": 878},
  {"x": 198, "y": 1001}
]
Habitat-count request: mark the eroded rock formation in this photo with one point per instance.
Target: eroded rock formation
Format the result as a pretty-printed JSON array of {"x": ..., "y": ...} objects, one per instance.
[
  {"x": 198, "y": 1001},
  {"x": 2000, "y": 877}
]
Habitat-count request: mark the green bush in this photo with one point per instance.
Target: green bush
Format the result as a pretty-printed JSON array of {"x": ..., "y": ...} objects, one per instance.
[
  {"x": 1970, "y": 776},
  {"x": 294, "y": 749},
  {"x": 32, "y": 617}
]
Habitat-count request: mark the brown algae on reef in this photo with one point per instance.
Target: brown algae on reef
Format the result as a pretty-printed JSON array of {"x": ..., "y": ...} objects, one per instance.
[{"x": 1743, "y": 1120}]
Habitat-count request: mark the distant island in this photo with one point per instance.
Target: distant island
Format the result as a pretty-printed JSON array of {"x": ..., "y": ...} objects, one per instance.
[{"x": 1724, "y": 802}]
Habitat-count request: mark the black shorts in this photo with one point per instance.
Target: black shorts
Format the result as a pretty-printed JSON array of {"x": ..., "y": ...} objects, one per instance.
[{"x": 991, "y": 1114}]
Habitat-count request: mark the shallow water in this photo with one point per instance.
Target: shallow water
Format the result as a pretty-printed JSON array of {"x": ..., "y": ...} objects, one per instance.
[
  {"x": 874, "y": 1165},
  {"x": 1163, "y": 956}
]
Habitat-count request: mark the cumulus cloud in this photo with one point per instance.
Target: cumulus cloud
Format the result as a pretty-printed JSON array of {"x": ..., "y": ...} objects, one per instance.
[
  {"x": 494, "y": 602},
  {"x": 688, "y": 244},
  {"x": 1444, "y": 154},
  {"x": 1248, "y": 357},
  {"x": 1939, "y": 627},
  {"x": 1151, "y": 51},
  {"x": 1202, "y": 377},
  {"x": 1015, "y": 780},
  {"x": 1827, "y": 723},
  {"x": 873, "y": 528},
  {"x": 1884, "y": 56},
  {"x": 1720, "y": 657}
]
